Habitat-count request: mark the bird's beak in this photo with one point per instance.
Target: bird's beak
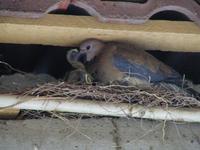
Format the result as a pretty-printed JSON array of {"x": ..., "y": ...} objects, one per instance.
[{"x": 82, "y": 57}]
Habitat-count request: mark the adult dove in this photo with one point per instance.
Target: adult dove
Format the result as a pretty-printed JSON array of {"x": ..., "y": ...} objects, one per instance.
[{"x": 108, "y": 62}]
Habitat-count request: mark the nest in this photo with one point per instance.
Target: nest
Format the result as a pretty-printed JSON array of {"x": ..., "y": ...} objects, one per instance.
[{"x": 163, "y": 95}]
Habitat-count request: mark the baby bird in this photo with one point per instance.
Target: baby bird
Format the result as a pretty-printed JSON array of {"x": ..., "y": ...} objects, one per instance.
[
  {"x": 79, "y": 75},
  {"x": 109, "y": 62}
]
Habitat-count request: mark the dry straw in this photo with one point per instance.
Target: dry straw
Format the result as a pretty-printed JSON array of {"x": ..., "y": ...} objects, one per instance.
[{"x": 163, "y": 102}]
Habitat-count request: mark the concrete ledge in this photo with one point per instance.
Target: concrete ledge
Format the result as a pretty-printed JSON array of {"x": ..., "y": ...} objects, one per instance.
[
  {"x": 98, "y": 134},
  {"x": 70, "y": 30}
]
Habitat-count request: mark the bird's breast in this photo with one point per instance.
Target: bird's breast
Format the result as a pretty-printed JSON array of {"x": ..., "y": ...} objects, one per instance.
[{"x": 103, "y": 70}]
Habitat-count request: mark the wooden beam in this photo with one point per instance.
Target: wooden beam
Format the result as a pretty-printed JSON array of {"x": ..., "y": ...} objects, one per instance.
[{"x": 65, "y": 30}]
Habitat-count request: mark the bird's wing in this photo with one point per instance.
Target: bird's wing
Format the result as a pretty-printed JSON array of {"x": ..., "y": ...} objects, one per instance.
[{"x": 132, "y": 69}]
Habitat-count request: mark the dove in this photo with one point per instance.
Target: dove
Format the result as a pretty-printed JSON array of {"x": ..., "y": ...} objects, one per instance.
[
  {"x": 79, "y": 74},
  {"x": 109, "y": 62}
]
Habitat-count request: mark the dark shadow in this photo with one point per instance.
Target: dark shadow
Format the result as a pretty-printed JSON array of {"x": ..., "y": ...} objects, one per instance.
[
  {"x": 52, "y": 60},
  {"x": 198, "y": 1},
  {"x": 34, "y": 59},
  {"x": 170, "y": 15},
  {"x": 72, "y": 10},
  {"x": 133, "y": 1}
]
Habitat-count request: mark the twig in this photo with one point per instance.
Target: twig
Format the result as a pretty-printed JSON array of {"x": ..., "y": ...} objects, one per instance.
[
  {"x": 163, "y": 130},
  {"x": 12, "y": 68},
  {"x": 75, "y": 128}
]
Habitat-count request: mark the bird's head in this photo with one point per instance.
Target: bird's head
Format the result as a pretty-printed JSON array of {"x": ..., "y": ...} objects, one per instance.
[
  {"x": 89, "y": 49},
  {"x": 72, "y": 55}
]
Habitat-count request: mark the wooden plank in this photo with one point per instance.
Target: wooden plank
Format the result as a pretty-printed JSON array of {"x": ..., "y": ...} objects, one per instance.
[{"x": 65, "y": 30}]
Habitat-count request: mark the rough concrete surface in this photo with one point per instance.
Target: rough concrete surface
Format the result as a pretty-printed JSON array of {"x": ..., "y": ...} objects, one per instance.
[
  {"x": 98, "y": 134},
  {"x": 19, "y": 82}
]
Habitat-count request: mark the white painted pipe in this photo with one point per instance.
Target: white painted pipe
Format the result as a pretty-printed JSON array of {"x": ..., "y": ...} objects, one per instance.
[{"x": 99, "y": 108}]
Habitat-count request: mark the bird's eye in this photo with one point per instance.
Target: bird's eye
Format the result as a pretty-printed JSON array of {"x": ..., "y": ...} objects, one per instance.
[{"x": 88, "y": 47}]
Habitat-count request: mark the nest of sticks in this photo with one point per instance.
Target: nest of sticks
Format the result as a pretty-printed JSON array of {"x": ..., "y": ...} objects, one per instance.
[{"x": 161, "y": 95}]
